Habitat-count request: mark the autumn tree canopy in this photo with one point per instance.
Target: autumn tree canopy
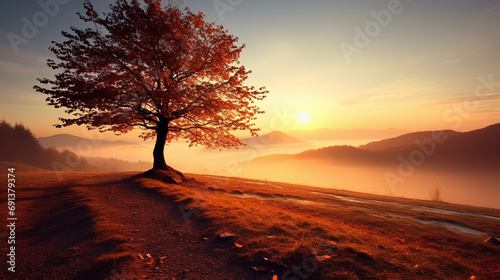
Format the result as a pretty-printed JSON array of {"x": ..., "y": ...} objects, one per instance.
[{"x": 163, "y": 70}]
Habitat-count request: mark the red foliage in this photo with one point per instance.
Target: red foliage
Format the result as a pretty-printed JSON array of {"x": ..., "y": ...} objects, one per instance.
[{"x": 164, "y": 70}]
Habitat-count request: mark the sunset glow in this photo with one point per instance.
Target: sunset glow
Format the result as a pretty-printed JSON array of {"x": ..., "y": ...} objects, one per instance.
[
  {"x": 413, "y": 73},
  {"x": 233, "y": 139},
  {"x": 303, "y": 118}
]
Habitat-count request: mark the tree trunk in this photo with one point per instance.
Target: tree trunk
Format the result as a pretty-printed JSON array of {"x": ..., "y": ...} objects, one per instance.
[{"x": 158, "y": 152}]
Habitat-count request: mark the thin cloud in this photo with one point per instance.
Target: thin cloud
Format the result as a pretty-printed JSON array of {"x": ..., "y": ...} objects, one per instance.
[
  {"x": 450, "y": 61},
  {"x": 416, "y": 60},
  {"x": 456, "y": 100},
  {"x": 25, "y": 60},
  {"x": 495, "y": 10},
  {"x": 402, "y": 90},
  {"x": 17, "y": 68}
]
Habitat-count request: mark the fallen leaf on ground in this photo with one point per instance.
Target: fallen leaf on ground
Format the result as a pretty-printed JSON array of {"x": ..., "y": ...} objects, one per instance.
[
  {"x": 323, "y": 258},
  {"x": 275, "y": 277},
  {"x": 140, "y": 256},
  {"x": 260, "y": 268},
  {"x": 226, "y": 236},
  {"x": 238, "y": 245},
  {"x": 151, "y": 261}
]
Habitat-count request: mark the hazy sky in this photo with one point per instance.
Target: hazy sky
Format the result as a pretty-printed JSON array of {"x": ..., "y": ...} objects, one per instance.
[{"x": 413, "y": 65}]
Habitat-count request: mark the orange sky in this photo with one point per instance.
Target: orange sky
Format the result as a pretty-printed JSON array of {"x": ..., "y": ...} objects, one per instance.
[{"x": 370, "y": 64}]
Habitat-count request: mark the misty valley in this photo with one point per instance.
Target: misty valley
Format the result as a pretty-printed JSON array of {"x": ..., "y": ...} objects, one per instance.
[{"x": 434, "y": 165}]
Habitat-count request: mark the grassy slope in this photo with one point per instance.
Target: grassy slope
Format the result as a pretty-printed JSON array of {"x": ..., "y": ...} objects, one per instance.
[
  {"x": 303, "y": 234},
  {"x": 296, "y": 232}
]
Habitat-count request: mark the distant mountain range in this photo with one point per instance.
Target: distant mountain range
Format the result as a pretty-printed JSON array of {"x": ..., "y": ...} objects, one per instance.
[
  {"x": 273, "y": 138},
  {"x": 324, "y": 134},
  {"x": 68, "y": 140},
  {"x": 478, "y": 149}
]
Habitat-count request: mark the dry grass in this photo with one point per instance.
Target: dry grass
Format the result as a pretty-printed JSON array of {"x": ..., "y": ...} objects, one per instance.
[
  {"x": 297, "y": 231},
  {"x": 35, "y": 187},
  {"x": 109, "y": 233}
]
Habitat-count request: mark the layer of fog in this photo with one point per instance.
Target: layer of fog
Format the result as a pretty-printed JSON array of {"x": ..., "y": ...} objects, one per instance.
[
  {"x": 454, "y": 187},
  {"x": 198, "y": 159},
  {"x": 478, "y": 189}
]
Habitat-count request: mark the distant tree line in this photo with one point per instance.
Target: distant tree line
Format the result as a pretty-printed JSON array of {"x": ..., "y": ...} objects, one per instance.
[{"x": 19, "y": 145}]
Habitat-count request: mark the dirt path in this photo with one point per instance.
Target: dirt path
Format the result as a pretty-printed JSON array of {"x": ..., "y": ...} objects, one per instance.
[
  {"x": 60, "y": 240},
  {"x": 54, "y": 232},
  {"x": 157, "y": 228}
]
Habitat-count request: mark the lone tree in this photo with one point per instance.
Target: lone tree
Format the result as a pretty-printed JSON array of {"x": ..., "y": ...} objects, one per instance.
[{"x": 164, "y": 70}]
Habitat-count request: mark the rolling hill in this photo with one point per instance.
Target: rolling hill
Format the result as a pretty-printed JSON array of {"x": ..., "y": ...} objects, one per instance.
[
  {"x": 128, "y": 226},
  {"x": 462, "y": 166},
  {"x": 408, "y": 139},
  {"x": 474, "y": 149}
]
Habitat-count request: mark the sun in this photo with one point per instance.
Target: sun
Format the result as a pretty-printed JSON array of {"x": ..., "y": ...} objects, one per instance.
[{"x": 303, "y": 117}]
